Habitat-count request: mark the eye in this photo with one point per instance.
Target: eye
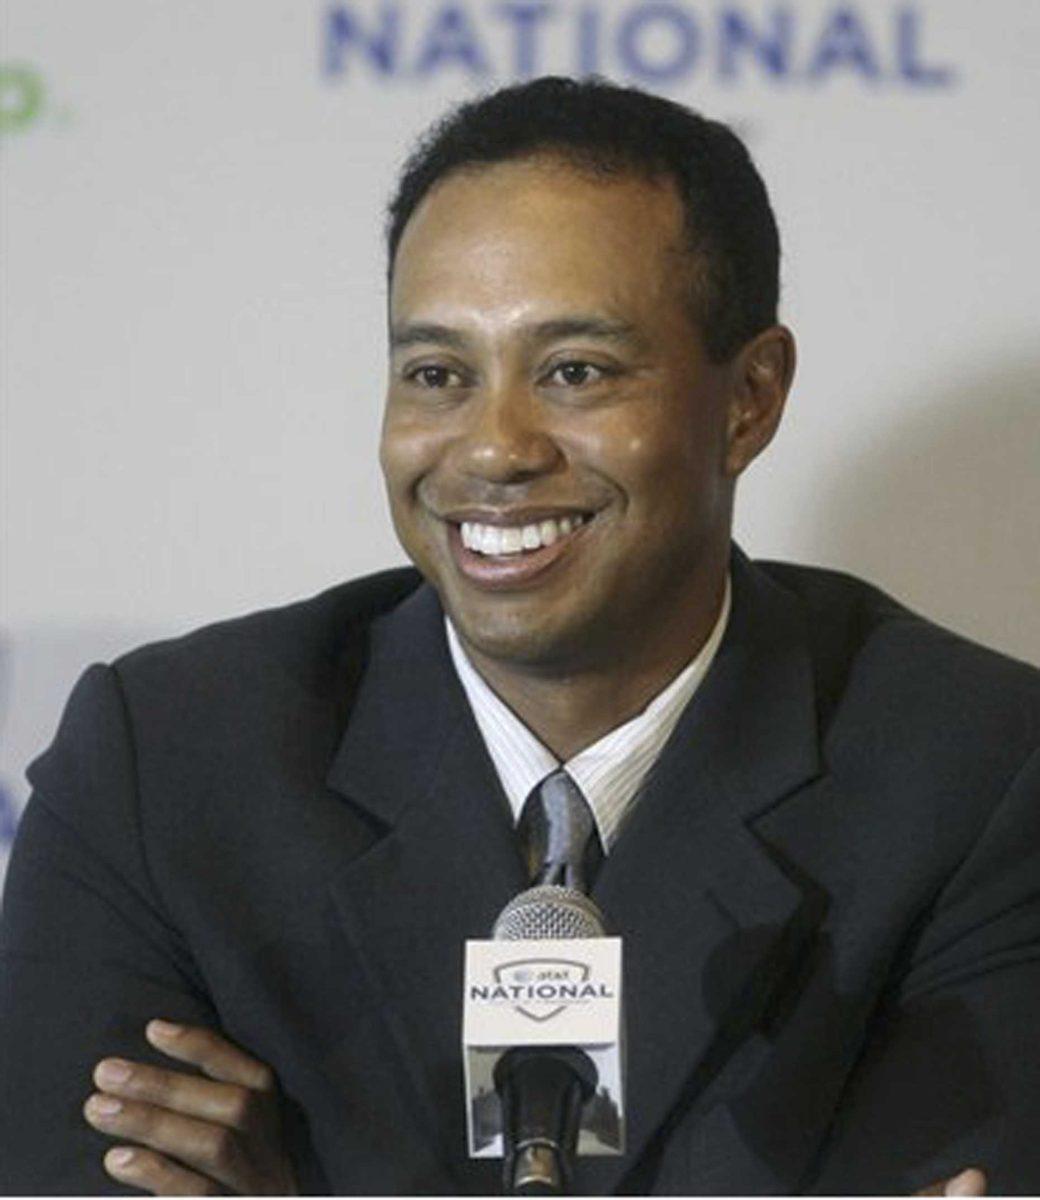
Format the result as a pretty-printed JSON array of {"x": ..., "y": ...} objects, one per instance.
[
  {"x": 575, "y": 373},
  {"x": 431, "y": 376}
]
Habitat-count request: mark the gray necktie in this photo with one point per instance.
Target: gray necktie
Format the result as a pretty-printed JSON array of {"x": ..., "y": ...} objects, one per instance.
[{"x": 559, "y": 834}]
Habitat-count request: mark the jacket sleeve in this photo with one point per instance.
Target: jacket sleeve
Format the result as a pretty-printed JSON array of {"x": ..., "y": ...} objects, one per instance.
[
  {"x": 87, "y": 955},
  {"x": 950, "y": 1076}
]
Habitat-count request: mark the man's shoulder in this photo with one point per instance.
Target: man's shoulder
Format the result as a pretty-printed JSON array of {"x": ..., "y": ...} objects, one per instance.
[
  {"x": 305, "y": 641},
  {"x": 863, "y": 641}
]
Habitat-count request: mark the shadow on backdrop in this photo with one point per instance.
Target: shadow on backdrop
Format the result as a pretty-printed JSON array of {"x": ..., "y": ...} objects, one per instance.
[
  {"x": 944, "y": 508},
  {"x": 38, "y": 666},
  {"x": 8, "y": 807}
]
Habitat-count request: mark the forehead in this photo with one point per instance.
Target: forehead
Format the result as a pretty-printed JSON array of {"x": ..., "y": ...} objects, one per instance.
[{"x": 542, "y": 226}]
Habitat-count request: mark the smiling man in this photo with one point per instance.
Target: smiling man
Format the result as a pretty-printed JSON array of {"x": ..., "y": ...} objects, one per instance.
[{"x": 811, "y": 815}]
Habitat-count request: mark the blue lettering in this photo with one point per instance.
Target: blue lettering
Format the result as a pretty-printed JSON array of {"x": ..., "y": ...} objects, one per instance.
[
  {"x": 451, "y": 38},
  {"x": 677, "y": 23},
  {"x": 588, "y": 41},
  {"x": 343, "y": 30},
  {"x": 526, "y": 20},
  {"x": 844, "y": 41},
  {"x": 772, "y": 49},
  {"x": 908, "y": 53},
  {"x": 656, "y": 42}
]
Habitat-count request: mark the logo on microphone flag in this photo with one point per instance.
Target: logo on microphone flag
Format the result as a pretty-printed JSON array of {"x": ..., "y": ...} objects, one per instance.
[{"x": 545, "y": 985}]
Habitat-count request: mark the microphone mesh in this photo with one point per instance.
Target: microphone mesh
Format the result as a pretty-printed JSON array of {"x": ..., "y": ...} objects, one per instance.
[{"x": 549, "y": 911}]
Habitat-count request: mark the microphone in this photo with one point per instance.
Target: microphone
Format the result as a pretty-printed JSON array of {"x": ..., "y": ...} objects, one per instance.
[
  {"x": 541, "y": 1035},
  {"x": 543, "y": 1090}
]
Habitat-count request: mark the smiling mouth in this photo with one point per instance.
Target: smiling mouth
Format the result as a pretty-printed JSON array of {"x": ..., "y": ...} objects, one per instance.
[
  {"x": 503, "y": 541},
  {"x": 496, "y": 556}
]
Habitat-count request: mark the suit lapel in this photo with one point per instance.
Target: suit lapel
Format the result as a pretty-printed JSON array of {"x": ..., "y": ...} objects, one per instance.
[
  {"x": 706, "y": 915},
  {"x": 413, "y": 759}
]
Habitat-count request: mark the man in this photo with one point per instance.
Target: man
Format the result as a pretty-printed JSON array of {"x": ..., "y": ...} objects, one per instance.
[{"x": 817, "y": 814}]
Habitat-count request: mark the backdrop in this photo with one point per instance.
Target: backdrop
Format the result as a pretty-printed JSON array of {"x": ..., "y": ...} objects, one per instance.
[{"x": 193, "y": 294}]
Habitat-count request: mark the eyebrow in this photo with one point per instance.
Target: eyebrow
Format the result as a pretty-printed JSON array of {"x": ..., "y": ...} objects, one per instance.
[
  {"x": 580, "y": 326},
  {"x": 418, "y": 331},
  {"x": 415, "y": 332}
]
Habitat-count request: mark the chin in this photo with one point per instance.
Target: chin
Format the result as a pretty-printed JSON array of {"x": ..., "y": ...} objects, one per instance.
[
  {"x": 523, "y": 640},
  {"x": 506, "y": 641}
]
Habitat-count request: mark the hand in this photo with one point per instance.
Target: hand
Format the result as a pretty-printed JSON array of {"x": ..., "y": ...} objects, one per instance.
[
  {"x": 970, "y": 1182},
  {"x": 205, "y": 1136}
]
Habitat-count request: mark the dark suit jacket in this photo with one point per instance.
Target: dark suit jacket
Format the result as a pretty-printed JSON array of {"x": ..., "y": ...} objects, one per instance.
[{"x": 286, "y": 825}]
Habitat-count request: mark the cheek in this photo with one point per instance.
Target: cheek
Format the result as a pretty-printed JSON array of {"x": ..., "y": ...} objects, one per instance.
[
  {"x": 644, "y": 461},
  {"x": 664, "y": 462},
  {"x": 407, "y": 451}
]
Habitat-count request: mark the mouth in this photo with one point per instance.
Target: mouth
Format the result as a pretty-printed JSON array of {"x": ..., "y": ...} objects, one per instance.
[
  {"x": 504, "y": 541},
  {"x": 507, "y": 551}
]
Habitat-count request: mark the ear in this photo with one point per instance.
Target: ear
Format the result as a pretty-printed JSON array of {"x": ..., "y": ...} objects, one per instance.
[{"x": 761, "y": 378}]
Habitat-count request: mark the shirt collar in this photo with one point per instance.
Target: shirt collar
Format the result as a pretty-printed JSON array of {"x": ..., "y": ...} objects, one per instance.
[{"x": 611, "y": 771}]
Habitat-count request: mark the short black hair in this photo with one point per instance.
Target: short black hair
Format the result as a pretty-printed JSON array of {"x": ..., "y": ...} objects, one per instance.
[{"x": 607, "y": 129}]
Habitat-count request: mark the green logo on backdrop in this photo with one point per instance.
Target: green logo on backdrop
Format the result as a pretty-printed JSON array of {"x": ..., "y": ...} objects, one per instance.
[{"x": 21, "y": 97}]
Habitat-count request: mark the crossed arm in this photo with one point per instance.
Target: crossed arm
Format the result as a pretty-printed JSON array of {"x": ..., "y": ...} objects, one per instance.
[{"x": 182, "y": 1135}]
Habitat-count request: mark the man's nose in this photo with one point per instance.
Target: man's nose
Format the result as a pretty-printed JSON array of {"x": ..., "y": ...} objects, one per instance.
[{"x": 507, "y": 440}]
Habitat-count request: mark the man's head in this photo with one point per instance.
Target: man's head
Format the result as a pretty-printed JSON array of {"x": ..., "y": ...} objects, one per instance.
[{"x": 581, "y": 366}]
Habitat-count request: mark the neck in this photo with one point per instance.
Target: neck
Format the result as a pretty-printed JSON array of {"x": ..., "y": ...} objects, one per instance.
[{"x": 569, "y": 710}]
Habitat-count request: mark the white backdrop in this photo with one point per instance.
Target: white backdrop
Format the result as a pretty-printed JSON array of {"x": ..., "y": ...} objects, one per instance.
[{"x": 192, "y": 294}]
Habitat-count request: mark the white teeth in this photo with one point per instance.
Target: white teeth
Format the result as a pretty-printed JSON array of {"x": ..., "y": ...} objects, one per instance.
[
  {"x": 531, "y": 538},
  {"x": 512, "y": 540},
  {"x": 500, "y": 540}
]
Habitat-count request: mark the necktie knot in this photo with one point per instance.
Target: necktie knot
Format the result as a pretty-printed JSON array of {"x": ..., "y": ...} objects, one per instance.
[{"x": 560, "y": 833}]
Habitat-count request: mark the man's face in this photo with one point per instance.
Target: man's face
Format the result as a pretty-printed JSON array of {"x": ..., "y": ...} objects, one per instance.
[{"x": 554, "y": 442}]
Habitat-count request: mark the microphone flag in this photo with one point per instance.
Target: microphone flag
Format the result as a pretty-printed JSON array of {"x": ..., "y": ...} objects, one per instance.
[{"x": 544, "y": 992}]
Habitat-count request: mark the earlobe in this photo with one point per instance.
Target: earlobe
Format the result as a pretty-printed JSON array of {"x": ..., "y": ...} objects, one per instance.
[{"x": 762, "y": 375}]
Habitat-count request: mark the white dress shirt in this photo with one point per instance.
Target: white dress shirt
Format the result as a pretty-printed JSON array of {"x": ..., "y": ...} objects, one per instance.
[{"x": 610, "y": 771}]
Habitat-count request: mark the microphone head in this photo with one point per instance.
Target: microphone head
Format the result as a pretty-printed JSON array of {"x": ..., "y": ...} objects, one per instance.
[{"x": 549, "y": 911}]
